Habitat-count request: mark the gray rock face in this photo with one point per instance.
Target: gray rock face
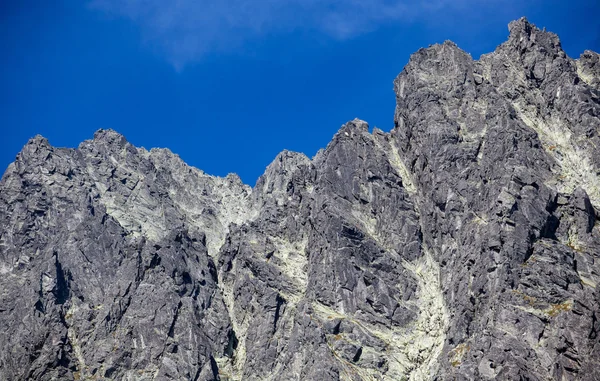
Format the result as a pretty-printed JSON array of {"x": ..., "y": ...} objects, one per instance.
[{"x": 463, "y": 244}]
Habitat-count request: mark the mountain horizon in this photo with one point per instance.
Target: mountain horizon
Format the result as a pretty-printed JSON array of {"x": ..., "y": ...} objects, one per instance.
[{"x": 462, "y": 244}]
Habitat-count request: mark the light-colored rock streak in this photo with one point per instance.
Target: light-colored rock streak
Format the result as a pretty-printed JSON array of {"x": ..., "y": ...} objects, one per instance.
[
  {"x": 413, "y": 351},
  {"x": 228, "y": 202},
  {"x": 585, "y": 77},
  {"x": 290, "y": 258},
  {"x": 224, "y": 200},
  {"x": 575, "y": 165},
  {"x": 425, "y": 345},
  {"x": 233, "y": 367},
  {"x": 391, "y": 151},
  {"x": 72, "y": 336}
]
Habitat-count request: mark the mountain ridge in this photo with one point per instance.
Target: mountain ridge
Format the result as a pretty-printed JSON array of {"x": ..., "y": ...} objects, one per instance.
[{"x": 462, "y": 244}]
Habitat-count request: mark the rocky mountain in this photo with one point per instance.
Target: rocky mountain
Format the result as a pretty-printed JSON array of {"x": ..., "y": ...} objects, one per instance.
[{"x": 462, "y": 245}]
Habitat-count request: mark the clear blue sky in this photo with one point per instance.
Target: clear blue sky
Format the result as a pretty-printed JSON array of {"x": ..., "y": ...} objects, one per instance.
[{"x": 228, "y": 84}]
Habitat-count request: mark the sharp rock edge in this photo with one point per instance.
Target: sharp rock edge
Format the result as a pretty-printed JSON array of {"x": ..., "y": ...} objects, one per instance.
[{"x": 463, "y": 244}]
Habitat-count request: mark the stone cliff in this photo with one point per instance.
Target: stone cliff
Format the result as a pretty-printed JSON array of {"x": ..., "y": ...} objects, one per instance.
[{"x": 464, "y": 244}]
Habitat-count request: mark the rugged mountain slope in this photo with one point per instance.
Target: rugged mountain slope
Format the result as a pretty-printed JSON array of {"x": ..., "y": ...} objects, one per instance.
[{"x": 464, "y": 244}]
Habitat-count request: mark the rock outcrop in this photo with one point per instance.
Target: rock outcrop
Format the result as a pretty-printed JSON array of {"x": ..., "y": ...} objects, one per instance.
[{"x": 463, "y": 244}]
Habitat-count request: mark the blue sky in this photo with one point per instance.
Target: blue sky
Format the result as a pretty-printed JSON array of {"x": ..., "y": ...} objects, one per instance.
[{"x": 229, "y": 84}]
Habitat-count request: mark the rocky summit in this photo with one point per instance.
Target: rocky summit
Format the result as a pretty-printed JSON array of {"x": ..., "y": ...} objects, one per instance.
[{"x": 462, "y": 245}]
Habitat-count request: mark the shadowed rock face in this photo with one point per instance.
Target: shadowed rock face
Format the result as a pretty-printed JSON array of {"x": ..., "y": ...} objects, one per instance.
[{"x": 464, "y": 244}]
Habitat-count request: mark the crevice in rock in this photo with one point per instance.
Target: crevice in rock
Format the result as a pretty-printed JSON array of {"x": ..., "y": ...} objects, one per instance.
[
  {"x": 214, "y": 369},
  {"x": 357, "y": 355},
  {"x": 280, "y": 302},
  {"x": 232, "y": 344},
  {"x": 175, "y": 316},
  {"x": 61, "y": 290}
]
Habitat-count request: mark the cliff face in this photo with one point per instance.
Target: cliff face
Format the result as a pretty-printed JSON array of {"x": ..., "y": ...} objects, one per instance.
[{"x": 464, "y": 244}]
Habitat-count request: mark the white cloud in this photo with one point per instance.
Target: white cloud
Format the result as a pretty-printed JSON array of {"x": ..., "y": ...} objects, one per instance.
[{"x": 186, "y": 30}]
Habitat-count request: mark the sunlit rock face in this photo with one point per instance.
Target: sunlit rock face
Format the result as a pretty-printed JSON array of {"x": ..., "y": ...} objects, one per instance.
[{"x": 463, "y": 244}]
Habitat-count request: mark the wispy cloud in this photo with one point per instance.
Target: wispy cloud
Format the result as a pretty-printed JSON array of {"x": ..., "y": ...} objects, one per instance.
[{"x": 186, "y": 30}]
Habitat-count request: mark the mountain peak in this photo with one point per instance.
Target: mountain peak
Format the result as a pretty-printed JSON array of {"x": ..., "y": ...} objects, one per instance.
[
  {"x": 521, "y": 24},
  {"x": 38, "y": 140},
  {"x": 36, "y": 146},
  {"x": 525, "y": 36},
  {"x": 110, "y": 137}
]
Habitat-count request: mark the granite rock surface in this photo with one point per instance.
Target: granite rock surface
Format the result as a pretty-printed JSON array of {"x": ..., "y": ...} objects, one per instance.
[{"x": 464, "y": 244}]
